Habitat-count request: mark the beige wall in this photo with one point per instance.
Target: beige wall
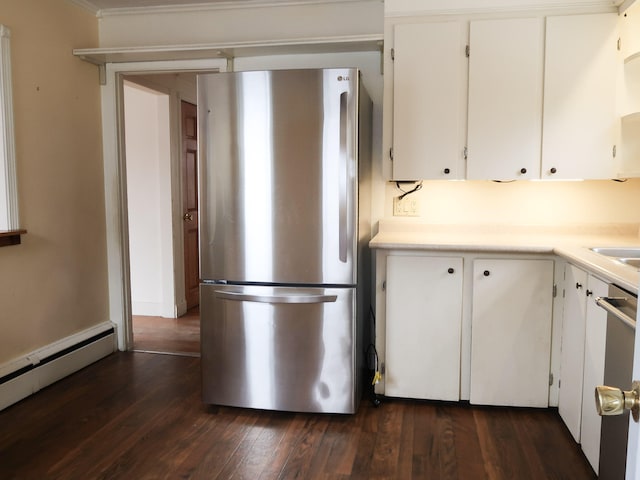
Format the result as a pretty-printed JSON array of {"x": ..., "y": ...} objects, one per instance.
[{"x": 55, "y": 283}]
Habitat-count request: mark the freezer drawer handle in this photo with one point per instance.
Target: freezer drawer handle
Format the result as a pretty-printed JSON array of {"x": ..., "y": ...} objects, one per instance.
[
  {"x": 244, "y": 297},
  {"x": 605, "y": 303}
]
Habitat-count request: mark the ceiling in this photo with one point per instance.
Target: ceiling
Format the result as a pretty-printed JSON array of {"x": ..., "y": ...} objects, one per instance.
[{"x": 108, "y": 4}]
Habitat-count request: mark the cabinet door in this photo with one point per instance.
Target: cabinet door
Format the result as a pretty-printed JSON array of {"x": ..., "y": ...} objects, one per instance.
[
  {"x": 580, "y": 126},
  {"x": 423, "y": 322},
  {"x": 505, "y": 99},
  {"x": 594, "y": 347},
  {"x": 429, "y": 91},
  {"x": 511, "y": 332},
  {"x": 572, "y": 355}
]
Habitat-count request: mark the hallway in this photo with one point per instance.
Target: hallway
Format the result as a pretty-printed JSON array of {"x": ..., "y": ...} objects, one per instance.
[{"x": 179, "y": 336}]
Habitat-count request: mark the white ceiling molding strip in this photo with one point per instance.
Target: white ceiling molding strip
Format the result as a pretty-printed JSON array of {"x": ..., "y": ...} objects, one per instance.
[
  {"x": 353, "y": 43},
  {"x": 90, "y": 7},
  {"x": 404, "y": 8},
  {"x": 216, "y": 5}
]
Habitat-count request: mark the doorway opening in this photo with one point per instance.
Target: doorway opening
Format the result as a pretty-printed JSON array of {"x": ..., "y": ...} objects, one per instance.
[{"x": 160, "y": 145}]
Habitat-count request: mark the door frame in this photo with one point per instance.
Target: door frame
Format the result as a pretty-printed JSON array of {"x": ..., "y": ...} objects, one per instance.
[{"x": 115, "y": 188}]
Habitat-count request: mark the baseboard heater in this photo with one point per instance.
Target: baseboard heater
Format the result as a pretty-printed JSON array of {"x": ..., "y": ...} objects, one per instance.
[{"x": 28, "y": 374}]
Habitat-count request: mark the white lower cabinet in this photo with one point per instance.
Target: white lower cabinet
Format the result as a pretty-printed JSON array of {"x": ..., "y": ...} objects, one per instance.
[
  {"x": 481, "y": 334},
  {"x": 487, "y": 330},
  {"x": 572, "y": 349},
  {"x": 584, "y": 329},
  {"x": 511, "y": 332},
  {"x": 423, "y": 324},
  {"x": 594, "y": 348}
]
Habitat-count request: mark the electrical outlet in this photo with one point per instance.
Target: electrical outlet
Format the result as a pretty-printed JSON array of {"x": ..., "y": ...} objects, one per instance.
[{"x": 409, "y": 206}]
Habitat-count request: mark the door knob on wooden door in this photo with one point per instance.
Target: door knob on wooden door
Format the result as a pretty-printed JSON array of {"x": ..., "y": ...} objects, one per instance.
[
  {"x": 614, "y": 401},
  {"x": 187, "y": 217}
]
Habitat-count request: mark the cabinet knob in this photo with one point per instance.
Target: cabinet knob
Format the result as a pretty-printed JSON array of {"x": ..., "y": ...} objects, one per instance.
[
  {"x": 451, "y": 270},
  {"x": 447, "y": 171},
  {"x": 578, "y": 285},
  {"x": 523, "y": 171},
  {"x": 589, "y": 293},
  {"x": 552, "y": 170},
  {"x": 486, "y": 273}
]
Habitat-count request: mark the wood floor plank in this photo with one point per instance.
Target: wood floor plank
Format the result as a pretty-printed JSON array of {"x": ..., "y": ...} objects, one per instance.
[
  {"x": 215, "y": 441},
  {"x": 126, "y": 428},
  {"x": 467, "y": 444},
  {"x": 318, "y": 460},
  {"x": 135, "y": 415},
  {"x": 298, "y": 465},
  {"x": 405, "y": 458},
  {"x": 387, "y": 447},
  {"x": 259, "y": 451},
  {"x": 425, "y": 444},
  {"x": 448, "y": 466},
  {"x": 497, "y": 435},
  {"x": 242, "y": 430},
  {"x": 366, "y": 441},
  {"x": 74, "y": 420},
  {"x": 345, "y": 430},
  {"x": 171, "y": 335},
  {"x": 551, "y": 440}
]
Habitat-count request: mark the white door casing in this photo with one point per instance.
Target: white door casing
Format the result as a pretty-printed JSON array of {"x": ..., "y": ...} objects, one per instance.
[{"x": 115, "y": 181}]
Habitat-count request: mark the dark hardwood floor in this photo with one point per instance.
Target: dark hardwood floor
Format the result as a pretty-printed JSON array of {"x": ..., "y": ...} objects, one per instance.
[
  {"x": 139, "y": 416},
  {"x": 179, "y": 336}
]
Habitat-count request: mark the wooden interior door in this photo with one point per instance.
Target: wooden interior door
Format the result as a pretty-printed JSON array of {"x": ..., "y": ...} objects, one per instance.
[{"x": 190, "y": 203}]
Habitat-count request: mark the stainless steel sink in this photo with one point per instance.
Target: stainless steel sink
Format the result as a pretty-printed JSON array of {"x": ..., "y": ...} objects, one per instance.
[
  {"x": 623, "y": 253},
  {"x": 634, "y": 262}
]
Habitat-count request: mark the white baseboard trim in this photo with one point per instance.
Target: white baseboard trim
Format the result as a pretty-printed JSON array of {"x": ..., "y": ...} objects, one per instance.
[
  {"x": 151, "y": 309},
  {"x": 147, "y": 309},
  {"x": 26, "y": 375}
]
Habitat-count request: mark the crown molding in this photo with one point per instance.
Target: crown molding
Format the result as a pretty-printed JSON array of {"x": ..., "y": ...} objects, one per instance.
[
  {"x": 86, "y": 5},
  {"x": 501, "y": 7},
  {"x": 219, "y": 5}
]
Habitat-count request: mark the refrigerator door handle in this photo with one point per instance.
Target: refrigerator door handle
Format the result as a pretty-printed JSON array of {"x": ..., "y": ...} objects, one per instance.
[
  {"x": 344, "y": 181},
  {"x": 244, "y": 297}
]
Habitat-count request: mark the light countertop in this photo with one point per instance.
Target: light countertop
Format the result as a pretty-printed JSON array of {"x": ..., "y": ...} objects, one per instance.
[{"x": 572, "y": 242}]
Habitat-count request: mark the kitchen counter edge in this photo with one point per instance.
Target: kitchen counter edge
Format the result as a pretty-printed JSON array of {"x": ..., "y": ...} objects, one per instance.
[{"x": 574, "y": 247}]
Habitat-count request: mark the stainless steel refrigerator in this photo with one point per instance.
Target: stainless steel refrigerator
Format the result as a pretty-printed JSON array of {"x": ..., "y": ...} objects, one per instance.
[{"x": 284, "y": 172}]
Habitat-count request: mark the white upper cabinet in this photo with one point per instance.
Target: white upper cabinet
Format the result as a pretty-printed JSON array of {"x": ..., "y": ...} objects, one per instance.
[
  {"x": 630, "y": 97},
  {"x": 505, "y": 98},
  {"x": 429, "y": 93},
  {"x": 580, "y": 123},
  {"x": 630, "y": 30},
  {"x": 536, "y": 99}
]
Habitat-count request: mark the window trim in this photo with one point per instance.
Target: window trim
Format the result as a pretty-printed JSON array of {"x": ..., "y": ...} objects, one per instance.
[{"x": 9, "y": 192}]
